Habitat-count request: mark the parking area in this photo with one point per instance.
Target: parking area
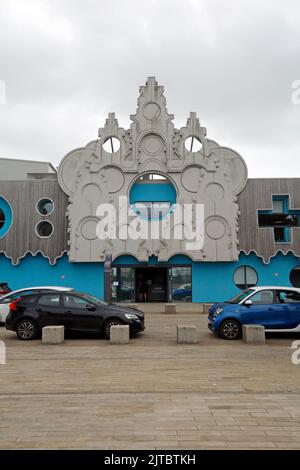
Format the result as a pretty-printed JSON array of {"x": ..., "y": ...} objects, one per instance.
[{"x": 151, "y": 393}]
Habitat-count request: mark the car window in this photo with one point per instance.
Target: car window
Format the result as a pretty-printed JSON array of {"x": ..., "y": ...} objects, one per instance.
[
  {"x": 263, "y": 297},
  {"x": 71, "y": 301},
  {"x": 238, "y": 298},
  {"x": 288, "y": 297},
  {"x": 49, "y": 300}
]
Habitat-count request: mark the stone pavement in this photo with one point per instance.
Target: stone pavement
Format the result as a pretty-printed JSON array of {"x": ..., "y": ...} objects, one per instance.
[{"x": 150, "y": 394}]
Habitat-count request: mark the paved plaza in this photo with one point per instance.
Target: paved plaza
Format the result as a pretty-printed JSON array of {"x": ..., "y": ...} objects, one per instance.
[{"x": 150, "y": 394}]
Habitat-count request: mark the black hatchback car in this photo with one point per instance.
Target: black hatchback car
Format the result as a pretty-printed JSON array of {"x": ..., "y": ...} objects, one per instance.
[{"x": 73, "y": 310}]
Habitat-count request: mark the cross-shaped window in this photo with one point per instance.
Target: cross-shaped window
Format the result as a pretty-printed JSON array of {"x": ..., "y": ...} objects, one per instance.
[{"x": 281, "y": 218}]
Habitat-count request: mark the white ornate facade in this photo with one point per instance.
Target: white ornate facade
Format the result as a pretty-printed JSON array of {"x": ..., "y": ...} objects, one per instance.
[{"x": 213, "y": 176}]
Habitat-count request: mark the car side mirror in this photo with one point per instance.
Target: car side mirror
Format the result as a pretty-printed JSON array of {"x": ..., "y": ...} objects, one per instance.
[
  {"x": 90, "y": 308},
  {"x": 248, "y": 303}
]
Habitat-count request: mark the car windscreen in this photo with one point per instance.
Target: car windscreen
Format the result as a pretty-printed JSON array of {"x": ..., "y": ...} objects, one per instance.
[
  {"x": 238, "y": 298},
  {"x": 93, "y": 299}
]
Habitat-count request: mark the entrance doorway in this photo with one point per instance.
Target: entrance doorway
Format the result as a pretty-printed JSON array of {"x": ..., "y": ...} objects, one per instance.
[{"x": 151, "y": 284}]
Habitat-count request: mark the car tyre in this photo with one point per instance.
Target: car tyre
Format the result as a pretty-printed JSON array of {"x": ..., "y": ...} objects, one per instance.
[
  {"x": 230, "y": 329},
  {"x": 26, "y": 330},
  {"x": 108, "y": 324}
]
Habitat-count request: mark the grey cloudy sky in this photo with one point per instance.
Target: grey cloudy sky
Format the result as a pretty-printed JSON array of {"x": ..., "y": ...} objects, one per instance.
[{"x": 67, "y": 63}]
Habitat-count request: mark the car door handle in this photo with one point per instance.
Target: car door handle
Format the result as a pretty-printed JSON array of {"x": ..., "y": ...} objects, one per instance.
[{"x": 68, "y": 312}]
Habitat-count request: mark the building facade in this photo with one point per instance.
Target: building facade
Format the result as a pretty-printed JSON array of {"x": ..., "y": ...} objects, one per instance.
[{"x": 50, "y": 223}]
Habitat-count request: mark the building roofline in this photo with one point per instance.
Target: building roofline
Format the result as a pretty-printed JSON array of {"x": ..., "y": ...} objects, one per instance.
[{"x": 29, "y": 161}]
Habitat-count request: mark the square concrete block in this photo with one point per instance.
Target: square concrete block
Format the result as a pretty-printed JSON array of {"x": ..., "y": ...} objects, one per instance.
[
  {"x": 206, "y": 308},
  {"x": 119, "y": 334},
  {"x": 170, "y": 308},
  {"x": 254, "y": 334},
  {"x": 186, "y": 334},
  {"x": 53, "y": 334}
]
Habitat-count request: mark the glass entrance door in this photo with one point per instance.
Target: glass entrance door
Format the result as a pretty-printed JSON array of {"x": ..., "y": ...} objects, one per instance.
[
  {"x": 123, "y": 284},
  {"x": 181, "y": 284}
]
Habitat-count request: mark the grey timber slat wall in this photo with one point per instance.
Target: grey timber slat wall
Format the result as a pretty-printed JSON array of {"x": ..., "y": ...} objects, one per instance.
[
  {"x": 257, "y": 195},
  {"x": 21, "y": 239}
]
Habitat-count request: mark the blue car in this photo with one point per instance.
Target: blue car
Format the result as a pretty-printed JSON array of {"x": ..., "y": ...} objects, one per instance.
[
  {"x": 275, "y": 308},
  {"x": 183, "y": 292}
]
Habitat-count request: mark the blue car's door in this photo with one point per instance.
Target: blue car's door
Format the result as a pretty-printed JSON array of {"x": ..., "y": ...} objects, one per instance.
[
  {"x": 290, "y": 300},
  {"x": 265, "y": 310}
]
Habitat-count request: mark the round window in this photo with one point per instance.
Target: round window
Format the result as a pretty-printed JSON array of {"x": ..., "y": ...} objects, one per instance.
[
  {"x": 45, "y": 206},
  {"x": 6, "y": 217},
  {"x": 193, "y": 144},
  {"x": 111, "y": 145},
  {"x": 295, "y": 276},
  {"x": 44, "y": 229},
  {"x": 245, "y": 277},
  {"x": 2, "y": 218}
]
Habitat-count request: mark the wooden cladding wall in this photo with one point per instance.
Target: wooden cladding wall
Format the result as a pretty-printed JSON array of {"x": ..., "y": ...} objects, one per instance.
[
  {"x": 24, "y": 195},
  {"x": 21, "y": 239},
  {"x": 257, "y": 195}
]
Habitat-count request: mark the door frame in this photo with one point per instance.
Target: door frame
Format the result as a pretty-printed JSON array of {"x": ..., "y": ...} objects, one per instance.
[{"x": 162, "y": 265}]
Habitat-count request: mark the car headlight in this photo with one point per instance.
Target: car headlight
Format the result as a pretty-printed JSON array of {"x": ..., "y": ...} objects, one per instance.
[
  {"x": 218, "y": 311},
  {"x": 131, "y": 316}
]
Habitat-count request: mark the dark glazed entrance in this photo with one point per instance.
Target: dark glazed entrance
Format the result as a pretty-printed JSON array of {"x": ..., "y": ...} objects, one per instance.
[{"x": 151, "y": 284}]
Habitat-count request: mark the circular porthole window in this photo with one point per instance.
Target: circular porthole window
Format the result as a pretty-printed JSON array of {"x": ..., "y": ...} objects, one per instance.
[
  {"x": 111, "y": 145},
  {"x": 2, "y": 218},
  {"x": 45, "y": 206},
  {"x": 245, "y": 277},
  {"x": 192, "y": 144},
  {"x": 6, "y": 217},
  {"x": 295, "y": 276},
  {"x": 44, "y": 229}
]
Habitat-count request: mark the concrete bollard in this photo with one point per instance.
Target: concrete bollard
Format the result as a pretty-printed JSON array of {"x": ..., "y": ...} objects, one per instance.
[
  {"x": 206, "y": 308},
  {"x": 170, "y": 308},
  {"x": 53, "y": 334},
  {"x": 119, "y": 334},
  {"x": 186, "y": 334},
  {"x": 254, "y": 334}
]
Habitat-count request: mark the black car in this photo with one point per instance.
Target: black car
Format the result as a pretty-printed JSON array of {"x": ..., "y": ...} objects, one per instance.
[{"x": 73, "y": 310}]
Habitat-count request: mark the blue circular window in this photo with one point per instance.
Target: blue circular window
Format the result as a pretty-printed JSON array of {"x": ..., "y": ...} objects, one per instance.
[
  {"x": 152, "y": 196},
  {"x": 5, "y": 217}
]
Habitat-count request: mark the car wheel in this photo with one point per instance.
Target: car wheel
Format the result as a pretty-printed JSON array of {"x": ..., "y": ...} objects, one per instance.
[
  {"x": 26, "y": 330},
  {"x": 176, "y": 297},
  {"x": 230, "y": 329},
  {"x": 108, "y": 324}
]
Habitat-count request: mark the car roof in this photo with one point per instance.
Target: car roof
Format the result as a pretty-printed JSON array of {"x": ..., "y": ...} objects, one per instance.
[
  {"x": 58, "y": 291},
  {"x": 38, "y": 289},
  {"x": 258, "y": 288}
]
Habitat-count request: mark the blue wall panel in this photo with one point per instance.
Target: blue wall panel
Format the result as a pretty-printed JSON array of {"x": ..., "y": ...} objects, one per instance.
[
  {"x": 214, "y": 281},
  {"x": 156, "y": 192},
  {"x": 36, "y": 271}
]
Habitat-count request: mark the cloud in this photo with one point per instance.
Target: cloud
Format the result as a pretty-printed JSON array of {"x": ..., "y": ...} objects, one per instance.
[{"x": 67, "y": 63}]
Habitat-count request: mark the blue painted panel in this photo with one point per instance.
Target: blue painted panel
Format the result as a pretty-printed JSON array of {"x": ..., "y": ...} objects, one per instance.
[
  {"x": 36, "y": 271},
  {"x": 8, "y": 214},
  {"x": 131, "y": 260},
  {"x": 213, "y": 282},
  {"x": 156, "y": 192}
]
